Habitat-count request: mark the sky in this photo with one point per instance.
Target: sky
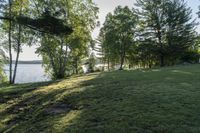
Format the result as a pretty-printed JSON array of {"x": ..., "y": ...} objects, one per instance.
[{"x": 105, "y": 6}]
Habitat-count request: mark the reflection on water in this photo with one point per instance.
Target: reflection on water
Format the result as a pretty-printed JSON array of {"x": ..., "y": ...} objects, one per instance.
[{"x": 29, "y": 73}]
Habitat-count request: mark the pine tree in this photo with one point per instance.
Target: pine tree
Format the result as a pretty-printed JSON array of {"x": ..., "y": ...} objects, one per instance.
[
  {"x": 180, "y": 29},
  {"x": 167, "y": 24}
]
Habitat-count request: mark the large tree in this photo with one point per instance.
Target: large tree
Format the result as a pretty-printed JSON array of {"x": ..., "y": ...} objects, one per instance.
[
  {"x": 152, "y": 18},
  {"x": 168, "y": 26},
  {"x": 118, "y": 33},
  {"x": 17, "y": 33},
  {"x": 180, "y": 30},
  {"x": 59, "y": 52},
  {"x": 7, "y": 12},
  {"x": 20, "y": 34}
]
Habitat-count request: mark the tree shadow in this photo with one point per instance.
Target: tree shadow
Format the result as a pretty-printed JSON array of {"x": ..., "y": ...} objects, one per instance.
[
  {"x": 26, "y": 102},
  {"x": 8, "y": 92},
  {"x": 110, "y": 105},
  {"x": 107, "y": 104}
]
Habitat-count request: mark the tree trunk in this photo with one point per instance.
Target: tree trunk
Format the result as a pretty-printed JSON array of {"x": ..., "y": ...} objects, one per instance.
[
  {"x": 76, "y": 61},
  {"x": 65, "y": 59},
  {"x": 18, "y": 51},
  {"x": 108, "y": 64},
  {"x": 122, "y": 57},
  {"x": 52, "y": 61},
  {"x": 162, "y": 64},
  {"x": 122, "y": 62},
  {"x": 129, "y": 66},
  {"x": 10, "y": 44},
  {"x": 61, "y": 72}
]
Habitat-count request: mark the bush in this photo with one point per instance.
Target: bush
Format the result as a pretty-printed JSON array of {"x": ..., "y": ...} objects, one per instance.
[{"x": 191, "y": 57}]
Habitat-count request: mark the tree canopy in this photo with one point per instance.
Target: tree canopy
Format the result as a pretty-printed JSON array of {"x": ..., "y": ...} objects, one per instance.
[
  {"x": 118, "y": 34},
  {"x": 153, "y": 33}
]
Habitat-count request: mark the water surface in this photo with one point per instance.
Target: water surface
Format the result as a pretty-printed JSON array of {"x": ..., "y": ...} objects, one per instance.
[{"x": 27, "y": 73}]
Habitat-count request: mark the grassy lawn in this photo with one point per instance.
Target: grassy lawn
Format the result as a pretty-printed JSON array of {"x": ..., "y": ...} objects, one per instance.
[{"x": 143, "y": 101}]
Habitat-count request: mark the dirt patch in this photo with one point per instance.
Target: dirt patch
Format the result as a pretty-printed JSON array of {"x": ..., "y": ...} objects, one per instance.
[
  {"x": 7, "y": 96},
  {"x": 2, "y": 100},
  {"x": 11, "y": 123},
  {"x": 59, "y": 109},
  {"x": 24, "y": 104}
]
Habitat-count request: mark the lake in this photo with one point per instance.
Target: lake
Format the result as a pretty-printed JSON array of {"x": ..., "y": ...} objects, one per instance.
[{"x": 27, "y": 73}]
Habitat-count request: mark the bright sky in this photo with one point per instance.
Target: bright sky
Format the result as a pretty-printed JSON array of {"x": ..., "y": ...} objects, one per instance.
[{"x": 105, "y": 6}]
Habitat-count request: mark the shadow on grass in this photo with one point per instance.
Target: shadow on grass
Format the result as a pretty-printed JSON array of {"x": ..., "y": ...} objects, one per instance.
[
  {"x": 114, "y": 105},
  {"x": 23, "y": 102},
  {"x": 8, "y": 92},
  {"x": 107, "y": 104}
]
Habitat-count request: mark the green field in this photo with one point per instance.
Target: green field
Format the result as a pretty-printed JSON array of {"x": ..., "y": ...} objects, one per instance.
[{"x": 141, "y": 101}]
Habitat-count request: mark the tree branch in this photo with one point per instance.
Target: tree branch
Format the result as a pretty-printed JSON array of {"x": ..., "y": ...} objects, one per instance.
[{"x": 5, "y": 18}]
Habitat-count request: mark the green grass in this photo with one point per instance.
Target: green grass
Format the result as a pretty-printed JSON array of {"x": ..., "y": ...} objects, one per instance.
[{"x": 143, "y": 101}]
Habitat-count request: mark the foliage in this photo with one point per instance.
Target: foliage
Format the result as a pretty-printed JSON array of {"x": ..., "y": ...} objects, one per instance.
[
  {"x": 64, "y": 53},
  {"x": 18, "y": 35},
  {"x": 168, "y": 26},
  {"x": 3, "y": 59},
  {"x": 54, "y": 25},
  {"x": 156, "y": 32},
  {"x": 118, "y": 34}
]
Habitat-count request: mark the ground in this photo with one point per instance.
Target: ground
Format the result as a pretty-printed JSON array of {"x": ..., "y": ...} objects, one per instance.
[{"x": 163, "y": 100}]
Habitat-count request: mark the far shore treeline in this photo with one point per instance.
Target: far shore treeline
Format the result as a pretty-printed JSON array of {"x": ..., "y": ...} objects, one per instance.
[{"x": 29, "y": 62}]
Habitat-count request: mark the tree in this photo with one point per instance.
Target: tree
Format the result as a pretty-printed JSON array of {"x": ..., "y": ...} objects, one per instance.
[
  {"x": 19, "y": 34},
  {"x": 9, "y": 40},
  {"x": 54, "y": 55},
  {"x": 59, "y": 51},
  {"x": 79, "y": 50},
  {"x": 99, "y": 52},
  {"x": 119, "y": 34},
  {"x": 16, "y": 33},
  {"x": 152, "y": 22},
  {"x": 3, "y": 59},
  {"x": 105, "y": 42},
  {"x": 168, "y": 25},
  {"x": 180, "y": 29}
]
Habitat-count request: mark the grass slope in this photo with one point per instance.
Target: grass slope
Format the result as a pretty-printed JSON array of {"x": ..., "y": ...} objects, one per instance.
[{"x": 143, "y": 101}]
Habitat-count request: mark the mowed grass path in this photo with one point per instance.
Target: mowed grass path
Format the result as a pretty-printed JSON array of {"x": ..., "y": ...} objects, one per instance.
[{"x": 143, "y": 101}]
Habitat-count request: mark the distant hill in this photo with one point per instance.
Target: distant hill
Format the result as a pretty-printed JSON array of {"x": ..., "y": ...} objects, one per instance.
[{"x": 30, "y": 62}]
